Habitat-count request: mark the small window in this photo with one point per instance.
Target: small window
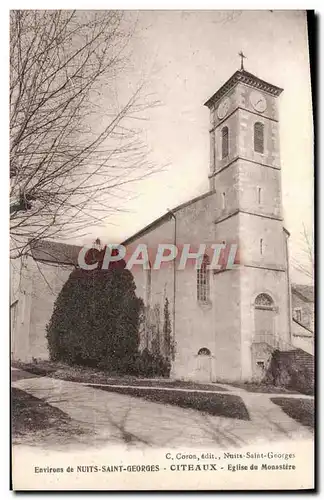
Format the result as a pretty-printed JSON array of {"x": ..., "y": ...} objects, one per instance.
[
  {"x": 259, "y": 137},
  {"x": 224, "y": 142},
  {"x": 261, "y": 246},
  {"x": 263, "y": 300},
  {"x": 224, "y": 200},
  {"x": 298, "y": 314},
  {"x": 260, "y": 364},
  {"x": 259, "y": 195},
  {"x": 204, "y": 352}
]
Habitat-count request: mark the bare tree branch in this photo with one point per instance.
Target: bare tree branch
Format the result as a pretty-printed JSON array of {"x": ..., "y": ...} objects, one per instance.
[
  {"x": 72, "y": 143},
  {"x": 305, "y": 263}
]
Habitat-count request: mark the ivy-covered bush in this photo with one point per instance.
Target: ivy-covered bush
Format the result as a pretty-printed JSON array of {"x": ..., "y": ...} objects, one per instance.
[
  {"x": 287, "y": 371},
  {"x": 95, "y": 321},
  {"x": 155, "y": 359},
  {"x": 152, "y": 365}
]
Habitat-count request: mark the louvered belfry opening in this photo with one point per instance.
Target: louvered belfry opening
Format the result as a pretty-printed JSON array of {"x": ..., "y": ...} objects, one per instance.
[
  {"x": 259, "y": 137},
  {"x": 224, "y": 142}
]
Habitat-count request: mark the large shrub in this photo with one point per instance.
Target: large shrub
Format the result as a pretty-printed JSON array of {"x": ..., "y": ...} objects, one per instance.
[
  {"x": 150, "y": 365},
  {"x": 95, "y": 321},
  {"x": 287, "y": 371}
]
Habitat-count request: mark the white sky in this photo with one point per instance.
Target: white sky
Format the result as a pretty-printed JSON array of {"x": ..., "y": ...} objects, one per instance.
[{"x": 186, "y": 57}]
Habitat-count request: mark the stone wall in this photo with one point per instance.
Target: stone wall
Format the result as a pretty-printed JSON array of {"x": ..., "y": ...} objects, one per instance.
[
  {"x": 39, "y": 286},
  {"x": 214, "y": 325}
]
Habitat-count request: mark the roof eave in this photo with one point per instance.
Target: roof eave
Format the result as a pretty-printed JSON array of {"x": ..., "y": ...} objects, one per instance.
[
  {"x": 165, "y": 217},
  {"x": 245, "y": 78}
]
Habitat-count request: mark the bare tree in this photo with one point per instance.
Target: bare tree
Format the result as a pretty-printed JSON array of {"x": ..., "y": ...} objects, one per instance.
[
  {"x": 306, "y": 262},
  {"x": 72, "y": 143}
]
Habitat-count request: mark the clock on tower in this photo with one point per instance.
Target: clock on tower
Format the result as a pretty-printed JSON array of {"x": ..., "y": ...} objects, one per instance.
[{"x": 244, "y": 122}]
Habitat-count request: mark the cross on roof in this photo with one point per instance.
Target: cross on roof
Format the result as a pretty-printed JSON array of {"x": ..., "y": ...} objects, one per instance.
[{"x": 242, "y": 56}]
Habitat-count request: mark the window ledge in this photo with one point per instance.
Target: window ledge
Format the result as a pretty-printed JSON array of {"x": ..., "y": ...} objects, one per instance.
[{"x": 205, "y": 304}]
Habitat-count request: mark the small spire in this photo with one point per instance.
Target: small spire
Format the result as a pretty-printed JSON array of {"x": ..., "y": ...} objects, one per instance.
[{"x": 242, "y": 56}]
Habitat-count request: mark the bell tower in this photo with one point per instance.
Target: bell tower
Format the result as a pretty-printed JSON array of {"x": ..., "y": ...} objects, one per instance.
[
  {"x": 245, "y": 177},
  {"x": 243, "y": 126}
]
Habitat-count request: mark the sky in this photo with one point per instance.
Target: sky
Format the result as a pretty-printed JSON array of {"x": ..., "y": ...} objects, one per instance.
[{"x": 184, "y": 57}]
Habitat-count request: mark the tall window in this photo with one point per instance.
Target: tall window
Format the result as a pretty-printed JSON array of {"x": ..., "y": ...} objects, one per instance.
[
  {"x": 259, "y": 195},
  {"x": 23, "y": 309},
  {"x": 148, "y": 284},
  {"x": 224, "y": 200},
  {"x": 224, "y": 142},
  {"x": 259, "y": 137},
  {"x": 13, "y": 315},
  {"x": 261, "y": 246},
  {"x": 203, "y": 280}
]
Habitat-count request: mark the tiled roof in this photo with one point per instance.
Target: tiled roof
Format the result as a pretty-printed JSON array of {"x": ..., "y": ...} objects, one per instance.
[
  {"x": 305, "y": 292},
  {"x": 303, "y": 326},
  {"x": 53, "y": 251}
]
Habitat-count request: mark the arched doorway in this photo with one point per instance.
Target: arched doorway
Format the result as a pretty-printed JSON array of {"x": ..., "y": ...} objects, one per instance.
[
  {"x": 203, "y": 372},
  {"x": 264, "y": 334}
]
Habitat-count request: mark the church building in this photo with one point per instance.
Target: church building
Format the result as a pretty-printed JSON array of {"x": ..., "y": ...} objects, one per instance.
[{"x": 224, "y": 323}]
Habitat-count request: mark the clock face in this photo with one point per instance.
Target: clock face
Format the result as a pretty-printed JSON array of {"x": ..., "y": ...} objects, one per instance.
[
  {"x": 258, "y": 101},
  {"x": 223, "y": 108}
]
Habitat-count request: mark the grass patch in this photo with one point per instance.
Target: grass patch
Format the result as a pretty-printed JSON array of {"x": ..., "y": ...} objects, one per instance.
[
  {"x": 93, "y": 376},
  {"x": 21, "y": 374},
  {"x": 300, "y": 409},
  {"x": 30, "y": 415},
  {"x": 266, "y": 388},
  {"x": 220, "y": 405},
  {"x": 41, "y": 368}
]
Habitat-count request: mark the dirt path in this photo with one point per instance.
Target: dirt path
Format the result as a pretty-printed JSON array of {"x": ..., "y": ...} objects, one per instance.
[{"x": 114, "y": 418}]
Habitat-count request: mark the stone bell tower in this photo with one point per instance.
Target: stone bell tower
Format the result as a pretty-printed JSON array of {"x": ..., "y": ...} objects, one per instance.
[{"x": 246, "y": 178}]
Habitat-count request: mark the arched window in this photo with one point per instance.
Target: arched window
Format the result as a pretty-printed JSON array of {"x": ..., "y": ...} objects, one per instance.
[
  {"x": 224, "y": 142},
  {"x": 259, "y": 137},
  {"x": 264, "y": 301},
  {"x": 204, "y": 352},
  {"x": 203, "y": 280}
]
